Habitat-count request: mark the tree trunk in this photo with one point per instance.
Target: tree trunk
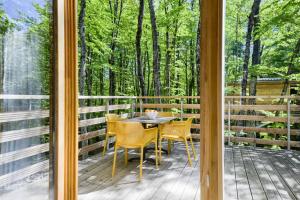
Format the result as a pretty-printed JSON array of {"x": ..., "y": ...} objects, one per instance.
[
  {"x": 1, "y": 64},
  {"x": 82, "y": 62},
  {"x": 192, "y": 67},
  {"x": 116, "y": 13},
  {"x": 244, "y": 83},
  {"x": 255, "y": 55},
  {"x": 156, "y": 62},
  {"x": 138, "y": 49},
  {"x": 149, "y": 71},
  {"x": 198, "y": 57},
  {"x": 291, "y": 69},
  {"x": 168, "y": 59}
]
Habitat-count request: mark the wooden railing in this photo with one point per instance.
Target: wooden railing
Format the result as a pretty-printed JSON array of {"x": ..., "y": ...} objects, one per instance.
[{"x": 92, "y": 124}]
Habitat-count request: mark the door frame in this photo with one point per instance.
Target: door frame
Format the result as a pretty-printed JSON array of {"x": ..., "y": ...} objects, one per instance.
[{"x": 65, "y": 100}]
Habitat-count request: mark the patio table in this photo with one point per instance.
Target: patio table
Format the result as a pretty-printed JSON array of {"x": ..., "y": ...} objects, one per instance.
[{"x": 155, "y": 122}]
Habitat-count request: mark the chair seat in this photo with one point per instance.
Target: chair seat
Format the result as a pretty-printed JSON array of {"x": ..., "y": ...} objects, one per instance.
[
  {"x": 146, "y": 140},
  {"x": 174, "y": 137}
]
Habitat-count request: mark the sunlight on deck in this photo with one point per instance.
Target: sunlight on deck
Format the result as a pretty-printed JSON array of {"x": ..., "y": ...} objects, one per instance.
[{"x": 250, "y": 173}]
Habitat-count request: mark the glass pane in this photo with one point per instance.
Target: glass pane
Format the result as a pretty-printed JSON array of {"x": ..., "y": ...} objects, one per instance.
[
  {"x": 25, "y": 68},
  {"x": 129, "y": 49}
]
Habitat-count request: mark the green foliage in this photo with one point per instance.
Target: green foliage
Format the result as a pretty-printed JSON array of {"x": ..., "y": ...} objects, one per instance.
[{"x": 5, "y": 23}]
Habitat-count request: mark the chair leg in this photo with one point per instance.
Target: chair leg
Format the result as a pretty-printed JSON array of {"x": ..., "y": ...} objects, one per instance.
[
  {"x": 114, "y": 163},
  {"x": 105, "y": 144},
  {"x": 141, "y": 163},
  {"x": 160, "y": 148},
  {"x": 126, "y": 157},
  {"x": 156, "y": 157},
  {"x": 169, "y": 147},
  {"x": 193, "y": 148},
  {"x": 187, "y": 150}
]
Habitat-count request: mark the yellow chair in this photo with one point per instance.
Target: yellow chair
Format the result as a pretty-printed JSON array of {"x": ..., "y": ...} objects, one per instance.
[
  {"x": 178, "y": 131},
  {"x": 132, "y": 135},
  {"x": 111, "y": 120},
  {"x": 165, "y": 114}
]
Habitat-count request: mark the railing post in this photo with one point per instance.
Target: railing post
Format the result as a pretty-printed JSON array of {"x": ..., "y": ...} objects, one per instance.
[
  {"x": 107, "y": 112},
  {"x": 141, "y": 107},
  {"x": 107, "y": 106},
  {"x": 289, "y": 124},
  {"x": 181, "y": 108},
  {"x": 229, "y": 122},
  {"x": 133, "y": 102}
]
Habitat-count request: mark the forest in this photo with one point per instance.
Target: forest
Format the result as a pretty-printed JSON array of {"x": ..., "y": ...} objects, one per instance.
[{"x": 129, "y": 47}]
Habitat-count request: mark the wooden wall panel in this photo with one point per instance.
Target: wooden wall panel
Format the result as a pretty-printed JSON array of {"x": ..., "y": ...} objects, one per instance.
[{"x": 211, "y": 137}]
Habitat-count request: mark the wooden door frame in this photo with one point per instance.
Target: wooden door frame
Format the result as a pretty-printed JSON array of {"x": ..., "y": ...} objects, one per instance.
[
  {"x": 212, "y": 95},
  {"x": 65, "y": 100}
]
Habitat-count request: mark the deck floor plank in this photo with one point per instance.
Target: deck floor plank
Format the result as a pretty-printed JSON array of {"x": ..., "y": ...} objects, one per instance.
[
  {"x": 229, "y": 175},
  {"x": 256, "y": 187},
  {"x": 276, "y": 177},
  {"x": 266, "y": 181},
  {"x": 249, "y": 173},
  {"x": 243, "y": 187}
]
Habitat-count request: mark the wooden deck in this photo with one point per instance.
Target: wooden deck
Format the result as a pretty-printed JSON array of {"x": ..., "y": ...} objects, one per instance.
[
  {"x": 254, "y": 173},
  {"x": 250, "y": 173},
  {"x": 174, "y": 179}
]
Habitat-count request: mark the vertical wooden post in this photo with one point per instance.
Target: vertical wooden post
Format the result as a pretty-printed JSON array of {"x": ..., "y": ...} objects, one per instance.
[
  {"x": 71, "y": 101},
  {"x": 107, "y": 106},
  {"x": 289, "y": 124},
  {"x": 181, "y": 108},
  {"x": 65, "y": 101},
  {"x": 211, "y": 78},
  {"x": 57, "y": 119},
  {"x": 133, "y": 103},
  {"x": 229, "y": 122},
  {"x": 141, "y": 107}
]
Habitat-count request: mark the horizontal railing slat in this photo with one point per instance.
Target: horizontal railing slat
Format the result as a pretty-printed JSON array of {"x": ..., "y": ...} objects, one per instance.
[
  {"x": 91, "y": 134},
  {"x": 23, "y": 153},
  {"x": 90, "y": 122},
  {"x": 23, "y": 173},
  {"x": 263, "y": 141},
  {"x": 23, "y": 115},
  {"x": 263, "y": 118},
  {"x": 23, "y": 133},
  {"x": 282, "y": 131}
]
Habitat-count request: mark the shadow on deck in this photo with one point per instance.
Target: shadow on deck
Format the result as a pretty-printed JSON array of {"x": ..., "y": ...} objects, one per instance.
[{"x": 250, "y": 173}]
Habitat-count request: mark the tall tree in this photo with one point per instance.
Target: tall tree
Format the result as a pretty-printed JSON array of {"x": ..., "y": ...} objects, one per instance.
[
  {"x": 168, "y": 57},
  {"x": 244, "y": 83},
  {"x": 291, "y": 69},
  {"x": 82, "y": 62},
  {"x": 155, "y": 46},
  {"x": 139, "y": 32},
  {"x": 198, "y": 57},
  {"x": 256, "y": 54},
  {"x": 116, "y": 12}
]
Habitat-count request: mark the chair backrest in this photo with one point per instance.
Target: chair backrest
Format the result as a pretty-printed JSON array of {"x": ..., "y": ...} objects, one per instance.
[
  {"x": 188, "y": 127},
  {"x": 165, "y": 114},
  {"x": 129, "y": 133},
  {"x": 111, "y": 120},
  {"x": 178, "y": 128},
  {"x": 112, "y": 117}
]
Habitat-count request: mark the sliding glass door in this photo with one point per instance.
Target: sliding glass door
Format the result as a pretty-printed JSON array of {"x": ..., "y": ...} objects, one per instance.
[{"x": 25, "y": 80}]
